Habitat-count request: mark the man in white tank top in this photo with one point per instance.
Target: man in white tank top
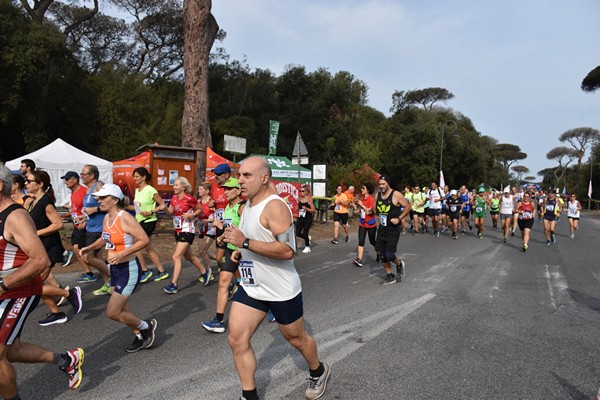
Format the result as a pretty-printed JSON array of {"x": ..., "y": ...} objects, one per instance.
[{"x": 269, "y": 280}]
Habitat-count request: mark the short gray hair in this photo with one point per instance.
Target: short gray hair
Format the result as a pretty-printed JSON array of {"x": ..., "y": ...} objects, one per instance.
[{"x": 6, "y": 177}]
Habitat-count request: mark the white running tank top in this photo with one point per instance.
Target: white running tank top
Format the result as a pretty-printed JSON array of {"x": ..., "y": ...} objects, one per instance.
[
  {"x": 506, "y": 205},
  {"x": 265, "y": 278},
  {"x": 573, "y": 209}
]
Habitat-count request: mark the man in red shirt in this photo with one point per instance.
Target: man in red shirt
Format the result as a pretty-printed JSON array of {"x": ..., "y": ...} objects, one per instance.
[
  {"x": 22, "y": 260},
  {"x": 71, "y": 180},
  {"x": 222, "y": 173}
]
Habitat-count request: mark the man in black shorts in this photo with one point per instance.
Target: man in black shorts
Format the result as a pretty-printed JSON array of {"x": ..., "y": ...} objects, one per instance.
[{"x": 391, "y": 206}]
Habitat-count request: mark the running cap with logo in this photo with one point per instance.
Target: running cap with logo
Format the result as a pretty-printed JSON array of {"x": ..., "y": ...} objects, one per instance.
[
  {"x": 69, "y": 175},
  {"x": 386, "y": 178},
  {"x": 109, "y": 189},
  {"x": 231, "y": 183},
  {"x": 222, "y": 169},
  {"x": 453, "y": 192},
  {"x": 481, "y": 190}
]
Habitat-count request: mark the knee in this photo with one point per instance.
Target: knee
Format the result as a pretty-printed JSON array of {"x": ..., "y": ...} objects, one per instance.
[
  {"x": 236, "y": 342},
  {"x": 113, "y": 314}
]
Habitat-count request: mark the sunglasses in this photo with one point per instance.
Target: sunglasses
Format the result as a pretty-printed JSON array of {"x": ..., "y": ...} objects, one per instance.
[
  {"x": 302, "y": 190},
  {"x": 30, "y": 180}
]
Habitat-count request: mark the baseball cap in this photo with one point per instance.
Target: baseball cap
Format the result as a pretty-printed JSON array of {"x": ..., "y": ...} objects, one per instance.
[
  {"x": 453, "y": 192},
  {"x": 481, "y": 190},
  {"x": 69, "y": 175},
  {"x": 506, "y": 190},
  {"x": 222, "y": 169},
  {"x": 231, "y": 183},
  {"x": 109, "y": 189}
]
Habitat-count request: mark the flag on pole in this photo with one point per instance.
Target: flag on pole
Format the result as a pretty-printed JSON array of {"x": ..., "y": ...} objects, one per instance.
[
  {"x": 564, "y": 192},
  {"x": 273, "y": 132},
  {"x": 590, "y": 190},
  {"x": 442, "y": 181}
]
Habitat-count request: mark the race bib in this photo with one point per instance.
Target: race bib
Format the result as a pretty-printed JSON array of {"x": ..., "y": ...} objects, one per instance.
[
  {"x": 363, "y": 214},
  {"x": 227, "y": 222},
  {"x": 338, "y": 207},
  {"x": 138, "y": 207},
  {"x": 550, "y": 207},
  {"x": 177, "y": 222},
  {"x": 479, "y": 209},
  {"x": 87, "y": 217},
  {"x": 453, "y": 208},
  {"x": 219, "y": 212},
  {"x": 74, "y": 218},
  {"x": 527, "y": 215},
  {"x": 108, "y": 244},
  {"x": 248, "y": 273},
  {"x": 383, "y": 220},
  {"x": 302, "y": 213}
]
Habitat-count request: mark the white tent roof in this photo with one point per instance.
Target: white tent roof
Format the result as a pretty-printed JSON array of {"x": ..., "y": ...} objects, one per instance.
[{"x": 59, "y": 157}]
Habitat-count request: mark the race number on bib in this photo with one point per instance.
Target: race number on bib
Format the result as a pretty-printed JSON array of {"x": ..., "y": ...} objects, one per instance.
[
  {"x": 219, "y": 212},
  {"x": 248, "y": 273},
  {"x": 302, "y": 213},
  {"x": 177, "y": 222},
  {"x": 338, "y": 207},
  {"x": 138, "y": 207},
  {"x": 383, "y": 220},
  {"x": 106, "y": 237},
  {"x": 479, "y": 209},
  {"x": 527, "y": 215}
]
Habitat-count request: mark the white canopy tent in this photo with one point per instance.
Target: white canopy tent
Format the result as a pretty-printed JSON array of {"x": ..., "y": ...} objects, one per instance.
[{"x": 59, "y": 157}]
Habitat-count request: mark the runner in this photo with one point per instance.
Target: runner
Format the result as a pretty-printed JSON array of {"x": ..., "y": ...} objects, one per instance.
[
  {"x": 146, "y": 204},
  {"x": 540, "y": 202},
  {"x": 507, "y": 209},
  {"x": 367, "y": 223},
  {"x": 48, "y": 224},
  {"x": 387, "y": 206},
  {"x": 495, "y": 208},
  {"x": 18, "y": 189},
  {"x": 270, "y": 281},
  {"x": 466, "y": 199},
  {"x": 573, "y": 213},
  {"x": 445, "y": 220},
  {"x": 340, "y": 214},
  {"x": 306, "y": 211},
  {"x": 550, "y": 207},
  {"x": 206, "y": 228},
  {"x": 435, "y": 196},
  {"x": 526, "y": 211},
  {"x": 454, "y": 204},
  {"x": 22, "y": 260},
  {"x": 417, "y": 204},
  {"x": 123, "y": 237},
  {"x": 222, "y": 174},
  {"x": 92, "y": 222},
  {"x": 480, "y": 203},
  {"x": 182, "y": 209},
  {"x": 231, "y": 216},
  {"x": 517, "y": 198}
]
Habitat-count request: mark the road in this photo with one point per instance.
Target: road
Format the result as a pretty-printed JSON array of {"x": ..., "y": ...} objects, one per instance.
[{"x": 473, "y": 319}]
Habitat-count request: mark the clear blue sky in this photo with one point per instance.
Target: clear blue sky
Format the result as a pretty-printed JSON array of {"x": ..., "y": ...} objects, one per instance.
[{"x": 515, "y": 67}]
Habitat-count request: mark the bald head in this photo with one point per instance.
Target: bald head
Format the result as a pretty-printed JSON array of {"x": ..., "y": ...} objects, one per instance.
[{"x": 255, "y": 176}]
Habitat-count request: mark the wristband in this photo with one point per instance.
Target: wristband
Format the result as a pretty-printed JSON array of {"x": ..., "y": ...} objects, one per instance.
[
  {"x": 246, "y": 243},
  {"x": 3, "y": 286}
]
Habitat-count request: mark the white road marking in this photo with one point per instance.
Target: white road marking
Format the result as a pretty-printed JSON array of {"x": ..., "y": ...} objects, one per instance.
[{"x": 557, "y": 286}]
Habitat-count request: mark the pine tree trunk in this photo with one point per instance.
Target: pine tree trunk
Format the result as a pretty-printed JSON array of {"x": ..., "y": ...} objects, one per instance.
[{"x": 200, "y": 31}]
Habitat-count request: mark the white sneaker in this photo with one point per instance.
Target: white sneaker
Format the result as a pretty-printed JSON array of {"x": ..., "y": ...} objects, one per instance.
[{"x": 306, "y": 250}]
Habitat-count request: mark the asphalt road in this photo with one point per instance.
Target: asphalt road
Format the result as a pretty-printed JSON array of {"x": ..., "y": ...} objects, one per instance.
[{"x": 473, "y": 319}]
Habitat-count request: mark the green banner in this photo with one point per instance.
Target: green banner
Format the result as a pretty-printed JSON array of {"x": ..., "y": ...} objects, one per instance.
[{"x": 273, "y": 132}]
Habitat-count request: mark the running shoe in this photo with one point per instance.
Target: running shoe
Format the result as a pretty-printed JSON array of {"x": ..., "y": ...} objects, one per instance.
[
  {"x": 160, "y": 276},
  {"x": 270, "y": 316},
  {"x": 73, "y": 369},
  {"x": 86, "y": 278},
  {"x": 334, "y": 241},
  {"x": 525, "y": 247},
  {"x": 504, "y": 240},
  {"x": 62, "y": 299},
  {"x": 170, "y": 288},
  {"x": 67, "y": 257},
  {"x": 233, "y": 287},
  {"x": 462, "y": 232},
  {"x": 358, "y": 262},
  {"x": 215, "y": 326},
  {"x": 470, "y": 227},
  {"x": 400, "y": 270},
  {"x": 104, "y": 290},
  {"x": 437, "y": 234},
  {"x": 455, "y": 235},
  {"x": 548, "y": 243},
  {"x": 206, "y": 276},
  {"x": 512, "y": 232},
  {"x": 201, "y": 279},
  {"x": 572, "y": 236},
  {"x": 553, "y": 238},
  {"x": 306, "y": 250},
  {"x": 316, "y": 386},
  {"x": 389, "y": 280},
  {"x": 75, "y": 299},
  {"x": 136, "y": 345},
  {"x": 347, "y": 239},
  {"x": 53, "y": 318},
  {"x": 149, "y": 334},
  {"x": 146, "y": 276}
]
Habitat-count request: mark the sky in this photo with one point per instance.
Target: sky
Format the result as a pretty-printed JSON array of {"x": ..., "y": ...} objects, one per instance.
[{"x": 515, "y": 67}]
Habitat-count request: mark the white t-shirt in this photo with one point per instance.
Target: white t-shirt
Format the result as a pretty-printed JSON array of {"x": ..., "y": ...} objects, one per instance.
[
  {"x": 435, "y": 198},
  {"x": 573, "y": 209},
  {"x": 265, "y": 278},
  {"x": 507, "y": 205}
]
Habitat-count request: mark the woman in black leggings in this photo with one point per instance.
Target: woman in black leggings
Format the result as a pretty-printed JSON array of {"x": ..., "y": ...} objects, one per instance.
[{"x": 306, "y": 211}]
